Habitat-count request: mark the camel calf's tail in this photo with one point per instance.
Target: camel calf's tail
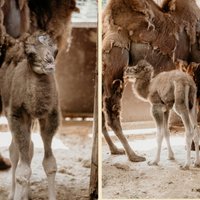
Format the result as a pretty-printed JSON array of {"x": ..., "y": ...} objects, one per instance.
[
  {"x": 185, "y": 98},
  {"x": 193, "y": 106}
]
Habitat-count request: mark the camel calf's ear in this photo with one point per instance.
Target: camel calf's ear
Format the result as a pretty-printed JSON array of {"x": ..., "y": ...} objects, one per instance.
[
  {"x": 169, "y": 5},
  {"x": 172, "y": 5}
]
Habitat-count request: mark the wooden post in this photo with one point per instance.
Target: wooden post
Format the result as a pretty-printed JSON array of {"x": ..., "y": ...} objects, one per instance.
[{"x": 93, "y": 190}]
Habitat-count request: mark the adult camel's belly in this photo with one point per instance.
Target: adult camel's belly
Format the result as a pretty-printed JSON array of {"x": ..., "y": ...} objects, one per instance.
[{"x": 159, "y": 60}]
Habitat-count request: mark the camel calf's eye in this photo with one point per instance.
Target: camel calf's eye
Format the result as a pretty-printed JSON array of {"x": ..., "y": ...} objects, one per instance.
[{"x": 55, "y": 53}]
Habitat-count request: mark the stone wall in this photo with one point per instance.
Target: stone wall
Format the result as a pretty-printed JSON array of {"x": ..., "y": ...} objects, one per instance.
[{"x": 75, "y": 74}]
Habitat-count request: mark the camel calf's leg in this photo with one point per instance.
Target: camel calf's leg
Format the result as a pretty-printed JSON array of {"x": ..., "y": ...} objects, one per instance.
[
  {"x": 20, "y": 125},
  {"x": 48, "y": 128},
  {"x": 14, "y": 157},
  {"x": 167, "y": 135},
  {"x": 181, "y": 107},
  {"x": 195, "y": 129},
  {"x": 158, "y": 116},
  {"x": 189, "y": 135}
]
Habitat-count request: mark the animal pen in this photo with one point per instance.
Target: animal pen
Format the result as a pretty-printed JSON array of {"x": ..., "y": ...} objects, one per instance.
[
  {"x": 76, "y": 141},
  {"x": 121, "y": 178}
]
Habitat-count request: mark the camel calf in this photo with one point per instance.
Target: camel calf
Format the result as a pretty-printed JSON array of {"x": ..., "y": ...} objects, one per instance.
[
  {"x": 29, "y": 92},
  {"x": 167, "y": 90}
]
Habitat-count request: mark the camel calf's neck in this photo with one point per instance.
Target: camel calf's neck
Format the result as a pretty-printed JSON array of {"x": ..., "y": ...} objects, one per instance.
[{"x": 141, "y": 79}]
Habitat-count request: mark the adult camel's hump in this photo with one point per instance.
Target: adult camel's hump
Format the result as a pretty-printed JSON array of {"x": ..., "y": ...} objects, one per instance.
[{"x": 143, "y": 21}]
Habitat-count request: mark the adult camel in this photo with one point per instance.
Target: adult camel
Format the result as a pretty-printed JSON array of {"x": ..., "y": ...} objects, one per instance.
[
  {"x": 137, "y": 29},
  {"x": 13, "y": 21}
]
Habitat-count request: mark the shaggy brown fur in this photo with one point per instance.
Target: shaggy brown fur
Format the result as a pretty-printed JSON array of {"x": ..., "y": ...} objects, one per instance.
[
  {"x": 150, "y": 25},
  {"x": 29, "y": 92},
  {"x": 137, "y": 29},
  {"x": 167, "y": 90},
  {"x": 54, "y": 17},
  {"x": 51, "y": 16}
]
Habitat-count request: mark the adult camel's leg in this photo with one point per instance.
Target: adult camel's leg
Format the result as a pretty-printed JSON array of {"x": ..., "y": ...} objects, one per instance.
[
  {"x": 195, "y": 129},
  {"x": 114, "y": 63},
  {"x": 113, "y": 148}
]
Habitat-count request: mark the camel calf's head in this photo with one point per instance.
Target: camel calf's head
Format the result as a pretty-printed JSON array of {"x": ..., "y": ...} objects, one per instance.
[
  {"x": 41, "y": 52},
  {"x": 140, "y": 70}
]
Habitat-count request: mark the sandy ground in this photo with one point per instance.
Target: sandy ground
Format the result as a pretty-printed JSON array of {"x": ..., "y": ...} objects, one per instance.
[
  {"x": 72, "y": 148},
  {"x": 124, "y": 179}
]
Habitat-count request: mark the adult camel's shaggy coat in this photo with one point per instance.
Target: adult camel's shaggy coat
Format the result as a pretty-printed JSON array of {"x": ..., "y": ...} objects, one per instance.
[{"x": 137, "y": 29}]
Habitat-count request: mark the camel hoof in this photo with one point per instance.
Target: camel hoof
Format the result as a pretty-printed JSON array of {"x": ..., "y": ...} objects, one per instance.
[
  {"x": 152, "y": 163},
  {"x": 193, "y": 146},
  {"x": 136, "y": 158},
  {"x": 4, "y": 163},
  {"x": 118, "y": 151},
  {"x": 197, "y": 164},
  {"x": 185, "y": 167},
  {"x": 171, "y": 158},
  {"x": 10, "y": 197}
]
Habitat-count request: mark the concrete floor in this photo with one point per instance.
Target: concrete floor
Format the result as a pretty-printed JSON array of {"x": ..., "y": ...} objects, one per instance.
[
  {"x": 72, "y": 148},
  {"x": 124, "y": 179}
]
